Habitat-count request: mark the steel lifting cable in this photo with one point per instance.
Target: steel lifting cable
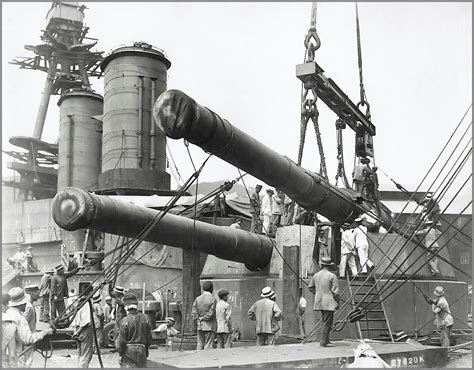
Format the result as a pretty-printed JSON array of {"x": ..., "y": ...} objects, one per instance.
[
  {"x": 406, "y": 204},
  {"x": 363, "y": 98},
  {"x": 385, "y": 288},
  {"x": 271, "y": 239},
  {"x": 317, "y": 324},
  {"x": 389, "y": 283},
  {"x": 341, "y": 172}
]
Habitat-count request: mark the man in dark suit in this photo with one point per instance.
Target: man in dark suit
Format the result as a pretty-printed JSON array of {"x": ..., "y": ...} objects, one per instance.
[
  {"x": 204, "y": 314},
  {"x": 326, "y": 298}
]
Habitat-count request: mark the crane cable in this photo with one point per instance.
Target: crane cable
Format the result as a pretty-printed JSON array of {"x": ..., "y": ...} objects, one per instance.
[
  {"x": 309, "y": 110},
  {"x": 363, "y": 97},
  {"x": 432, "y": 166}
]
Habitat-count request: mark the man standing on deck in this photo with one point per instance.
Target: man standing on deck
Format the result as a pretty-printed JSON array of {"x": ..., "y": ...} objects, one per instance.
[
  {"x": 224, "y": 323},
  {"x": 301, "y": 311},
  {"x": 348, "y": 251},
  {"x": 44, "y": 293},
  {"x": 264, "y": 312},
  {"x": 267, "y": 211},
  {"x": 84, "y": 332},
  {"x": 443, "y": 317},
  {"x": 204, "y": 314},
  {"x": 325, "y": 288},
  {"x": 362, "y": 245},
  {"x": 255, "y": 208},
  {"x": 24, "y": 336},
  {"x": 135, "y": 335},
  {"x": 119, "y": 313},
  {"x": 59, "y": 290},
  {"x": 430, "y": 235}
]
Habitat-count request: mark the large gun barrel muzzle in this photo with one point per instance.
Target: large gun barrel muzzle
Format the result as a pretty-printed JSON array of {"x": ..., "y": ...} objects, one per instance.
[{"x": 75, "y": 209}]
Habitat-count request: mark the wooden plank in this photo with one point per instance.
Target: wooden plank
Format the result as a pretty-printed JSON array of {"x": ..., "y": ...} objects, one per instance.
[{"x": 290, "y": 324}]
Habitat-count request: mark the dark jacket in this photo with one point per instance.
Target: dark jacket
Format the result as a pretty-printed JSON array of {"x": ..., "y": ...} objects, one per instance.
[
  {"x": 59, "y": 284},
  {"x": 135, "y": 329}
]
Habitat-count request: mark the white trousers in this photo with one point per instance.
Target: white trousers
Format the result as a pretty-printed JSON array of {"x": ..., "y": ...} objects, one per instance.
[
  {"x": 347, "y": 259},
  {"x": 363, "y": 252},
  {"x": 267, "y": 221}
]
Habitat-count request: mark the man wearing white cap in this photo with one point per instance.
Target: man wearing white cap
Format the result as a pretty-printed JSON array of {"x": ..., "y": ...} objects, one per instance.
[
  {"x": 24, "y": 336},
  {"x": 443, "y": 318},
  {"x": 267, "y": 211},
  {"x": 430, "y": 235},
  {"x": 98, "y": 317},
  {"x": 119, "y": 312},
  {"x": 325, "y": 288},
  {"x": 170, "y": 330},
  {"x": 264, "y": 312},
  {"x": 107, "y": 309},
  {"x": 362, "y": 245}
]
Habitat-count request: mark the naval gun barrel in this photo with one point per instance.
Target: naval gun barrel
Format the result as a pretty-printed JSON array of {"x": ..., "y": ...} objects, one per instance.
[
  {"x": 75, "y": 209},
  {"x": 179, "y": 116}
]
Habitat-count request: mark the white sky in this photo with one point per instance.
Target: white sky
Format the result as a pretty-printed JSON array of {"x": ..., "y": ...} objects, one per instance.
[{"x": 239, "y": 59}]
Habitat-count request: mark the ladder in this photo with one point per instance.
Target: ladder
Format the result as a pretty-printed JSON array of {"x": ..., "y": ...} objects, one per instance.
[{"x": 374, "y": 325}]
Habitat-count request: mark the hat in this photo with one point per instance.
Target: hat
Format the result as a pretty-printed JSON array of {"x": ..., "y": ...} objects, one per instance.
[
  {"x": 59, "y": 267},
  {"x": 49, "y": 271},
  {"x": 108, "y": 298},
  {"x": 207, "y": 286},
  {"x": 270, "y": 191},
  {"x": 266, "y": 292},
  {"x": 96, "y": 298},
  {"x": 358, "y": 219},
  {"x": 429, "y": 222},
  {"x": 130, "y": 299},
  {"x": 222, "y": 293},
  {"x": 429, "y": 195},
  {"x": 258, "y": 186},
  {"x": 326, "y": 261},
  {"x": 170, "y": 320},
  {"x": 119, "y": 289},
  {"x": 17, "y": 297},
  {"x": 30, "y": 247},
  {"x": 273, "y": 295},
  {"x": 438, "y": 291}
]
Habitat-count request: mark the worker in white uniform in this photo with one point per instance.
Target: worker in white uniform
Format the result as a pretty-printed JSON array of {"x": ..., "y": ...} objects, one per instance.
[
  {"x": 267, "y": 211},
  {"x": 362, "y": 245},
  {"x": 348, "y": 251}
]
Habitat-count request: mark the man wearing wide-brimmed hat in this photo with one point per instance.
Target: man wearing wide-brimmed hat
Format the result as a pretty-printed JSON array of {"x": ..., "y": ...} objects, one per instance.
[
  {"x": 60, "y": 290},
  {"x": 264, "y": 312},
  {"x": 430, "y": 235},
  {"x": 24, "y": 336},
  {"x": 443, "y": 318},
  {"x": 44, "y": 293},
  {"x": 135, "y": 335},
  {"x": 325, "y": 288}
]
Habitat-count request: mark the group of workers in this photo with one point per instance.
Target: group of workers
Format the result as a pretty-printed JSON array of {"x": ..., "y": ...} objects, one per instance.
[
  {"x": 354, "y": 243},
  {"x": 23, "y": 261},
  {"x": 271, "y": 210}
]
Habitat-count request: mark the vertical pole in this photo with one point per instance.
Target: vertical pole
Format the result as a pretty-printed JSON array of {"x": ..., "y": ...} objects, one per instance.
[
  {"x": 291, "y": 273},
  {"x": 191, "y": 287},
  {"x": 152, "y": 126},
  {"x": 43, "y": 108},
  {"x": 140, "y": 123},
  {"x": 143, "y": 299}
]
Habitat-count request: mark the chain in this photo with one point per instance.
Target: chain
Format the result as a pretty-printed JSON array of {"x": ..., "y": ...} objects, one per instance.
[{"x": 341, "y": 172}]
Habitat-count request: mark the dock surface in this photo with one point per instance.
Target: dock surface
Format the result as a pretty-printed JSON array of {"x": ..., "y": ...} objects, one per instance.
[{"x": 411, "y": 354}]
